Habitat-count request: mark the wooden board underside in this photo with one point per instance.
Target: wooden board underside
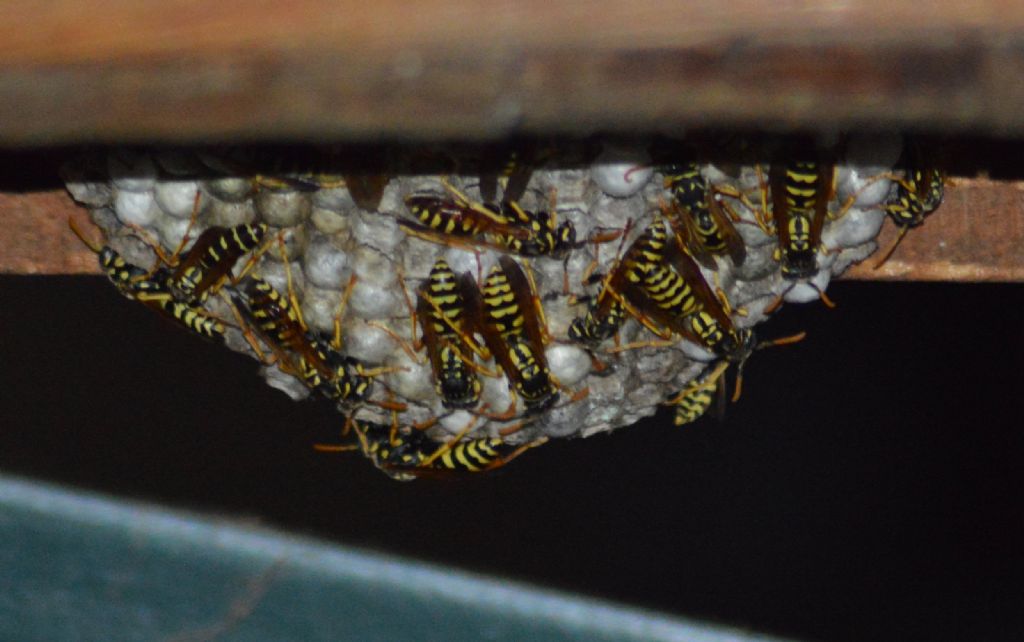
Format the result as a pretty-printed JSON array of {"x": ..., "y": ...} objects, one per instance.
[{"x": 977, "y": 235}]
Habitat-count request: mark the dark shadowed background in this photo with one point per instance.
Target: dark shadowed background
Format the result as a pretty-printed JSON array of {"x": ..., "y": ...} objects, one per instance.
[{"x": 867, "y": 486}]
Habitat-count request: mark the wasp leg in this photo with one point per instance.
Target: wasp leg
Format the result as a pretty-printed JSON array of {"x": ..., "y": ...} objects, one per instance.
[
  {"x": 502, "y": 461},
  {"x": 852, "y": 198},
  {"x": 340, "y": 311}
]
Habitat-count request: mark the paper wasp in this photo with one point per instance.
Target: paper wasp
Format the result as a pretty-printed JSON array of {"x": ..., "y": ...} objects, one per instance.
[
  {"x": 504, "y": 226},
  {"x": 505, "y": 311},
  {"x": 318, "y": 364},
  {"x": 601, "y": 321},
  {"x": 918, "y": 194},
  {"x": 699, "y": 216},
  {"x": 694, "y": 400},
  {"x": 509, "y": 167},
  {"x": 544, "y": 238},
  {"x": 801, "y": 190},
  {"x": 137, "y": 283},
  {"x": 608, "y": 310},
  {"x": 441, "y": 311},
  {"x": 210, "y": 261},
  {"x": 408, "y": 456},
  {"x": 663, "y": 288}
]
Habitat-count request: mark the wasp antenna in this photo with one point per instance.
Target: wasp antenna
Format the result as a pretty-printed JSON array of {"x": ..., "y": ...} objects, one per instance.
[
  {"x": 739, "y": 384},
  {"x": 636, "y": 168},
  {"x": 892, "y": 247},
  {"x": 782, "y": 341},
  {"x": 334, "y": 448},
  {"x": 774, "y": 305},
  {"x": 829, "y": 303}
]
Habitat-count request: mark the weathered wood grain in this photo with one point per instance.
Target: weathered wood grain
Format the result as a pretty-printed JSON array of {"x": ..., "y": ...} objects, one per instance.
[{"x": 186, "y": 71}]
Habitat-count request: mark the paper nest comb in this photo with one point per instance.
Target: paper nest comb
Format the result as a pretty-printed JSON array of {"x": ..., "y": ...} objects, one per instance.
[{"x": 335, "y": 246}]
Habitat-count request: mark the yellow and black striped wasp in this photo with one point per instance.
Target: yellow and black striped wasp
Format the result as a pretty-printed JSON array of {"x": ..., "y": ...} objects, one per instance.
[
  {"x": 441, "y": 311},
  {"x": 545, "y": 238},
  {"x": 699, "y": 217},
  {"x": 442, "y": 218},
  {"x": 694, "y": 400},
  {"x": 509, "y": 167},
  {"x": 504, "y": 226},
  {"x": 299, "y": 353},
  {"x": 607, "y": 311},
  {"x": 603, "y": 318},
  {"x": 409, "y": 456},
  {"x": 659, "y": 284},
  {"x": 191, "y": 276},
  {"x": 151, "y": 289},
  {"x": 505, "y": 310},
  {"x": 801, "y": 190},
  {"x": 209, "y": 262},
  {"x": 918, "y": 194}
]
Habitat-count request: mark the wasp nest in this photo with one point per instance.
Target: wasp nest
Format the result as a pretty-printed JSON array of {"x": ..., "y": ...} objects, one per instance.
[{"x": 356, "y": 251}]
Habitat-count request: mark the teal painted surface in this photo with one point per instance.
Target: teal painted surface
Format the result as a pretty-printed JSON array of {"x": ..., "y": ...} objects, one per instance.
[{"x": 81, "y": 567}]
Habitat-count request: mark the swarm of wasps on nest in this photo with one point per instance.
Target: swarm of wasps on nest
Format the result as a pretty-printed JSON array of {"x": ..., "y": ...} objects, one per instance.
[{"x": 460, "y": 307}]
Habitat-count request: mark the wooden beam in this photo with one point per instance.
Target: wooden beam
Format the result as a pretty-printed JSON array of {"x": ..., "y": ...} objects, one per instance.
[
  {"x": 977, "y": 235},
  {"x": 182, "y": 71}
]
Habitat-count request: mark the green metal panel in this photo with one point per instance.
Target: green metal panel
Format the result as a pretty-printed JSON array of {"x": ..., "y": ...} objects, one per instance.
[{"x": 78, "y": 566}]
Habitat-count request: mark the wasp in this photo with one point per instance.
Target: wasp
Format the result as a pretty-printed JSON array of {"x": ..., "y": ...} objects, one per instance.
[
  {"x": 130, "y": 280},
  {"x": 705, "y": 226},
  {"x": 801, "y": 191},
  {"x": 918, "y": 194},
  {"x": 505, "y": 226},
  {"x": 318, "y": 364},
  {"x": 694, "y": 400},
  {"x": 348, "y": 384},
  {"x": 505, "y": 310},
  {"x": 457, "y": 216},
  {"x": 544, "y": 237},
  {"x": 441, "y": 311},
  {"x": 409, "y": 456},
  {"x": 193, "y": 318},
  {"x": 665, "y": 290},
  {"x": 664, "y": 284},
  {"x": 602, "y": 320},
  {"x": 609, "y": 310},
  {"x": 367, "y": 190},
  {"x": 137, "y": 283},
  {"x": 510, "y": 168},
  {"x": 208, "y": 264},
  {"x": 211, "y": 259}
]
